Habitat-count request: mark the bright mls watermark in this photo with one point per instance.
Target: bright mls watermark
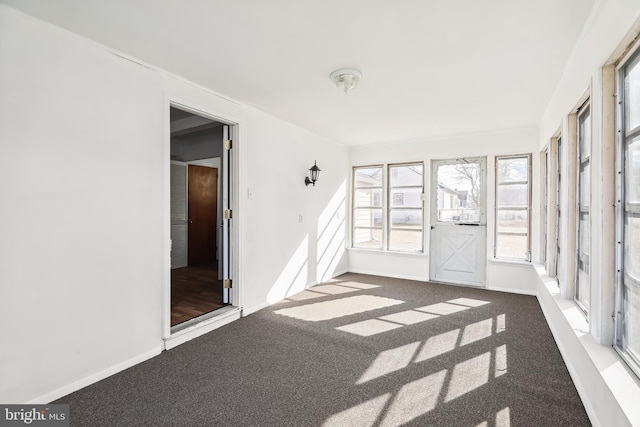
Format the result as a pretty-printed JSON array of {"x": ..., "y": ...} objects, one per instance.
[{"x": 34, "y": 415}]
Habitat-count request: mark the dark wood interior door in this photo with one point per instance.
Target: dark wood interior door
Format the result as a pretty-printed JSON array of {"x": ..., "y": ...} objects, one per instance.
[{"x": 203, "y": 209}]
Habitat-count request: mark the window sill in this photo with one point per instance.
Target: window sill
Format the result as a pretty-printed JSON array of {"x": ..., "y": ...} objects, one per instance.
[
  {"x": 394, "y": 253},
  {"x": 608, "y": 388},
  {"x": 508, "y": 261}
]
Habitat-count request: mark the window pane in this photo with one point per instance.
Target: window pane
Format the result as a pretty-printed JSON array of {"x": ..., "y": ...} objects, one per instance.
[
  {"x": 583, "y": 284},
  {"x": 368, "y": 177},
  {"x": 367, "y": 238},
  {"x": 405, "y": 175},
  {"x": 632, "y": 172},
  {"x": 513, "y": 170},
  {"x": 405, "y": 240},
  {"x": 631, "y": 98},
  {"x": 406, "y": 197},
  {"x": 511, "y": 246},
  {"x": 406, "y": 218},
  {"x": 632, "y": 247},
  {"x": 367, "y": 217},
  {"x": 584, "y": 238},
  {"x": 459, "y": 192},
  {"x": 632, "y": 321},
  {"x": 585, "y": 185},
  {"x": 368, "y": 197},
  {"x": 584, "y": 133},
  {"x": 513, "y": 221},
  {"x": 512, "y": 203},
  {"x": 513, "y": 195}
]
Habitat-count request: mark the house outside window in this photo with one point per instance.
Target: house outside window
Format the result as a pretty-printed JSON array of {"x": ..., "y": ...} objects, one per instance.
[
  {"x": 394, "y": 222},
  {"x": 367, "y": 207},
  {"x": 406, "y": 209}
]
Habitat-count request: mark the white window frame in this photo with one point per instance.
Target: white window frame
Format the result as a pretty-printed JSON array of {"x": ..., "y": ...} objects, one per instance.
[
  {"x": 527, "y": 255},
  {"x": 581, "y": 207},
  {"x": 355, "y": 207},
  {"x": 558, "y": 213},
  {"x": 386, "y": 206},
  {"x": 391, "y": 202},
  {"x": 622, "y": 210}
]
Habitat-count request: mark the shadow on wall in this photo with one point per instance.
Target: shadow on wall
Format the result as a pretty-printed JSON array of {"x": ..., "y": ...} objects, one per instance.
[
  {"x": 329, "y": 243},
  {"x": 331, "y": 235}
]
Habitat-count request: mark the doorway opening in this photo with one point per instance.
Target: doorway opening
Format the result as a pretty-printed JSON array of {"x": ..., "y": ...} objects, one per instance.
[{"x": 199, "y": 195}]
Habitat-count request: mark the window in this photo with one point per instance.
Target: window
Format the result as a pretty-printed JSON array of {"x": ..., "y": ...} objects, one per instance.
[
  {"x": 513, "y": 195},
  {"x": 367, "y": 207},
  {"x": 545, "y": 221},
  {"x": 405, "y": 211},
  {"x": 628, "y": 221},
  {"x": 394, "y": 222},
  {"x": 558, "y": 204},
  {"x": 583, "y": 194}
]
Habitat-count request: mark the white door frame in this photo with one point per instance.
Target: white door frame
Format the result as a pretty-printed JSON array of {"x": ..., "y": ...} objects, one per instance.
[
  {"x": 476, "y": 229},
  {"x": 227, "y": 314}
]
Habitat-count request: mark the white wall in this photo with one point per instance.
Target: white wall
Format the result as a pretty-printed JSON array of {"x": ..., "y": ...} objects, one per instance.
[
  {"x": 610, "y": 395},
  {"x": 500, "y": 274},
  {"x": 282, "y": 254},
  {"x": 84, "y": 178}
]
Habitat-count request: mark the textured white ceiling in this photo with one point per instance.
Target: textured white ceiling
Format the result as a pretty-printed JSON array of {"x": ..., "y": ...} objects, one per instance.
[{"x": 431, "y": 67}]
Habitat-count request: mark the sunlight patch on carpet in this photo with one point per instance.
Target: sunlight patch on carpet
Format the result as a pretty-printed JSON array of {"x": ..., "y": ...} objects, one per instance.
[
  {"x": 370, "y": 327},
  {"x": 337, "y": 308},
  {"x": 389, "y": 361}
]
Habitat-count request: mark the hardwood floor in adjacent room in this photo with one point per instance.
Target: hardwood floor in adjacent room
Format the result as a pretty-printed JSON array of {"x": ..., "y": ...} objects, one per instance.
[{"x": 194, "y": 291}]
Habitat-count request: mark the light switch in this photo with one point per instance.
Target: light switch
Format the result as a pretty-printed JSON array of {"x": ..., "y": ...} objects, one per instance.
[
  {"x": 250, "y": 193},
  {"x": 300, "y": 218}
]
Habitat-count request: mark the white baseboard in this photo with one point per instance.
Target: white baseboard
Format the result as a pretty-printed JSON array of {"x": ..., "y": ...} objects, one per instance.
[
  {"x": 251, "y": 310},
  {"x": 94, "y": 378},
  {"x": 338, "y": 273},
  {"x": 385, "y": 274}
]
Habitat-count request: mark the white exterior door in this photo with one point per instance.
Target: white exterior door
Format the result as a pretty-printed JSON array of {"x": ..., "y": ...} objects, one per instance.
[{"x": 458, "y": 250}]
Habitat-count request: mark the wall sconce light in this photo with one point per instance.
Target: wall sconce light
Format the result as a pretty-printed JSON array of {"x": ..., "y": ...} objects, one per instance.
[{"x": 314, "y": 171}]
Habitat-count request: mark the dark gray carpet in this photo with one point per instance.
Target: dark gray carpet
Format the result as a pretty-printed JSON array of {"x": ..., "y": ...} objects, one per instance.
[{"x": 422, "y": 354}]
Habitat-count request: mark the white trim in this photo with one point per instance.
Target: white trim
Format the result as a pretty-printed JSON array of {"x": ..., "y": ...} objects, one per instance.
[
  {"x": 338, "y": 273},
  {"x": 512, "y": 290},
  {"x": 386, "y": 274},
  {"x": 381, "y": 251},
  {"x": 494, "y": 260},
  {"x": 254, "y": 309},
  {"x": 95, "y": 377},
  {"x": 201, "y": 328}
]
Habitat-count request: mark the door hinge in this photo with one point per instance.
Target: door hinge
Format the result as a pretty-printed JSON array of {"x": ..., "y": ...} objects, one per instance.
[
  {"x": 227, "y": 214},
  {"x": 227, "y": 144},
  {"x": 227, "y": 283}
]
